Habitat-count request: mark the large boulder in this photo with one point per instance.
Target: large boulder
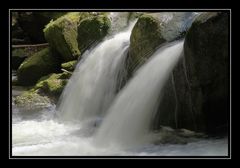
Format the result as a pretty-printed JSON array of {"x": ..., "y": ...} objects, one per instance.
[
  {"x": 61, "y": 34},
  {"x": 91, "y": 30},
  {"x": 145, "y": 38},
  {"x": 153, "y": 29},
  {"x": 74, "y": 32},
  {"x": 32, "y": 23},
  {"x": 36, "y": 66},
  {"x": 206, "y": 50},
  {"x": 196, "y": 96}
]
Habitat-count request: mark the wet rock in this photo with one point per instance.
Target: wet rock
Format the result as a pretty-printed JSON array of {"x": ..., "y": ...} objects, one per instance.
[{"x": 206, "y": 52}]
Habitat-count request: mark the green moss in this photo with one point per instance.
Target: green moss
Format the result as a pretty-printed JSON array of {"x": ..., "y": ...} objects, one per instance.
[
  {"x": 69, "y": 66},
  {"x": 91, "y": 30},
  {"x": 52, "y": 84},
  {"x": 62, "y": 34},
  {"x": 31, "y": 99},
  {"x": 36, "y": 66},
  {"x": 72, "y": 33},
  {"x": 145, "y": 38}
]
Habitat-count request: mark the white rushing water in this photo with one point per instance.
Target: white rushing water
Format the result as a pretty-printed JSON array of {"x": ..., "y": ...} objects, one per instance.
[
  {"x": 48, "y": 137},
  {"x": 129, "y": 117},
  {"x": 92, "y": 86}
]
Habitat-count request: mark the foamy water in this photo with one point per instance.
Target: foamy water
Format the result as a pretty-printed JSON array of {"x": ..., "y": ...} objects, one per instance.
[{"x": 46, "y": 136}]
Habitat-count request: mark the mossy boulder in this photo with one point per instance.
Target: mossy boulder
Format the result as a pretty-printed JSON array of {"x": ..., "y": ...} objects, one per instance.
[
  {"x": 36, "y": 66},
  {"x": 74, "y": 32},
  {"x": 32, "y": 100},
  {"x": 32, "y": 23},
  {"x": 69, "y": 66},
  {"x": 52, "y": 84},
  {"x": 145, "y": 38},
  {"x": 61, "y": 34},
  {"x": 18, "y": 56},
  {"x": 206, "y": 50},
  {"x": 91, "y": 30}
]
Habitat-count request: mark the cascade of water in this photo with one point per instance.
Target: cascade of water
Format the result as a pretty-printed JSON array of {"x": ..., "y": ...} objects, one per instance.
[
  {"x": 131, "y": 113},
  {"x": 93, "y": 84}
]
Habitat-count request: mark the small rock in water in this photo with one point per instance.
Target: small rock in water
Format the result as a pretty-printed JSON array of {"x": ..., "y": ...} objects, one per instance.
[{"x": 168, "y": 135}]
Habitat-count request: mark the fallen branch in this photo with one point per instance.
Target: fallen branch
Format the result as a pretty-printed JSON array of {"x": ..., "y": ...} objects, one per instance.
[
  {"x": 30, "y": 45},
  {"x": 64, "y": 70}
]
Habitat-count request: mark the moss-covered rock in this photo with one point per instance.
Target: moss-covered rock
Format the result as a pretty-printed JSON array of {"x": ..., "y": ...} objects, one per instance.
[
  {"x": 52, "y": 84},
  {"x": 69, "y": 66},
  {"x": 32, "y": 100},
  {"x": 145, "y": 38},
  {"x": 36, "y": 66},
  {"x": 62, "y": 34},
  {"x": 32, "y": 23},
  {"x": 18, "y": 56},
  {"x": 72, "y": 33},
  {"x": 206, "y": 52},
  {"x": 91, "y": 30}
]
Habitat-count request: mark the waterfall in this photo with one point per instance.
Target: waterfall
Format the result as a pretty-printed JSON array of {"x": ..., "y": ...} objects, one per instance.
[
  {"x": 92, "y": 86},
  {"x": 129, "y": 118}
]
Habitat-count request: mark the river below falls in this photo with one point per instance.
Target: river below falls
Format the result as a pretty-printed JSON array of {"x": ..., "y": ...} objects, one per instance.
[{"x": 41, "y": 134}]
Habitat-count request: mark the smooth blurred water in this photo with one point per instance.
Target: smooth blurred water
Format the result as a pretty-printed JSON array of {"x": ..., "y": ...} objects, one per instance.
[
  {"x": 130, "y": 115},
  {"x": 94, "y": 82},
  {"x": 46, "y": 136}
]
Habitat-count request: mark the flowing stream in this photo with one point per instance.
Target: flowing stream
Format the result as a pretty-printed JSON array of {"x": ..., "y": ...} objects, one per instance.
[{"x": 94, "y": 118}]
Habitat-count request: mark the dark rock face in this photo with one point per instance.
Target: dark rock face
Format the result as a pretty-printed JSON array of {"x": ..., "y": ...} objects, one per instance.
[
  {"x": 207, "y": 62},
  {"x": 196, "y": 96}
]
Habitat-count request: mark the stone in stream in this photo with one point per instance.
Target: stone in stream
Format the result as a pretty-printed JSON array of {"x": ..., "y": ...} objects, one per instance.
[{"x": 168, "y": 135}]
